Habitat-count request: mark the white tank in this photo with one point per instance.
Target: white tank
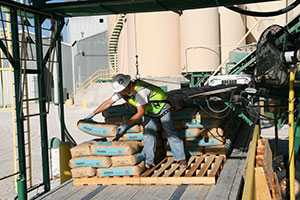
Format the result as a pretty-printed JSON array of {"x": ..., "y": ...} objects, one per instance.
[
  {"x": 200, "y": 40},
  {"x": 232, "y": 29},
  {"x": 154, "y": 37},
  {"x": 158, "y": 45}
]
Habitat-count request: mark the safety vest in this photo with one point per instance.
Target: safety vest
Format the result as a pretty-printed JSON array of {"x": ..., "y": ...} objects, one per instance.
[{"x": 155, "y": 102}]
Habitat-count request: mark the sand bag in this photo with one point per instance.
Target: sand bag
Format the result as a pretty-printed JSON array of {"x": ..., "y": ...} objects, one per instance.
[
  {"x": 205, "y": 142},
  {"x": 121, "y": 171},
  {"x": 190, "y": 133},
  {"x": 91, "y": 161},
  {"x": 135, "y": 129},
  {"x": 97, "y": 128},
  {"x": 83, "y": 172},
  {"x": 116, "y": 148},
  {"x": 83, "y": 149},
  {"x": 118, "y": 161},
  {"x": 131, "y": 137}
]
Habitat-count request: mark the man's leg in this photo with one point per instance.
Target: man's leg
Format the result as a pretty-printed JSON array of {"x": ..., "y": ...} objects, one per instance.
[
  {"x": 150, "y": 130},
  {"x": 175, "y": 142}
]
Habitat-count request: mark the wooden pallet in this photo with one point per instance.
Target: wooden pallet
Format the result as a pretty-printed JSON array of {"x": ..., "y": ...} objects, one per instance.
[{"x": 202, "y": 169}]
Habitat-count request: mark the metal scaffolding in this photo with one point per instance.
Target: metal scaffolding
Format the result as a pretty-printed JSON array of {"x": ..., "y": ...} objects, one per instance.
[{"x": 29, "y": 32}]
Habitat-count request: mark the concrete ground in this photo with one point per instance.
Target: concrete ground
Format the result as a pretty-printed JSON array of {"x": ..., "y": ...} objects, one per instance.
[{"x": 73, "y": 114}]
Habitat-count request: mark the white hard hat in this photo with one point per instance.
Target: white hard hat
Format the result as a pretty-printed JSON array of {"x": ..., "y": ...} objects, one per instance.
[{"x": 120, "y": 82}]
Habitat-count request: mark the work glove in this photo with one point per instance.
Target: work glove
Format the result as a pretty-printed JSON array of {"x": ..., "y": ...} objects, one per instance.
[
  {"x": 89, "y": 117},
  {"x": 121, "y": 130}
]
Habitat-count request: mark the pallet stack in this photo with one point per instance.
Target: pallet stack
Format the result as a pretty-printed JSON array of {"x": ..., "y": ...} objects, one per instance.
[
  {"x": 266, "y": 181},
  {"x": 105, "y": 158},
  {"x": 98, "y": 158}
]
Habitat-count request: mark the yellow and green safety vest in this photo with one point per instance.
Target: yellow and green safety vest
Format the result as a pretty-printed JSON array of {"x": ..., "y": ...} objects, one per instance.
[{"x": 156, "y": 101}]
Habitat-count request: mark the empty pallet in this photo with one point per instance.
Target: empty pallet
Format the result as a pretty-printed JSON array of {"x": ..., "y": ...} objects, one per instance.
[{"x": 203, "y": 169}]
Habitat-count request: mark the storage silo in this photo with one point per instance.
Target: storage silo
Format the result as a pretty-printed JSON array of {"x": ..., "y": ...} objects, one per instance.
[
  {"x": 158, "y": 46},
  {"x": 232, "y": 30},
  {"x": 200, "y": 39}
]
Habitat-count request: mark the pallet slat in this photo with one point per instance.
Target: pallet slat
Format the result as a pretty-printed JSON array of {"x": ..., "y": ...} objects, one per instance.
[
  {"x": 195, "y": 167},
  {"x": 216, "y": 166},
  {"x": 206, "y": 165},
  {"x": 167, "y": 172}
]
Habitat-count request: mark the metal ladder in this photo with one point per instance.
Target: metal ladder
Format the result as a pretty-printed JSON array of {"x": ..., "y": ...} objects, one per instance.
[{"x": 113, "y": 43}]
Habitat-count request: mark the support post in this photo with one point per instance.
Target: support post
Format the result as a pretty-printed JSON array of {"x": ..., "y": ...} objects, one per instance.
[
  {"x": 291, "y": 134},
  {"x": 21, "y": 183},
  {"x": 60, "y": 86},
  {"x": 42, "y": 101}
]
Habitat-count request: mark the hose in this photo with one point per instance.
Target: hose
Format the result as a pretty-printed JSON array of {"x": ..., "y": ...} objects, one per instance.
[{"x": 264, "y": 14}]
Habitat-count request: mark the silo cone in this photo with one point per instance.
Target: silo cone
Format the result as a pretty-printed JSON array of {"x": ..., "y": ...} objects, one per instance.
[{"x": 65, "y": 157}]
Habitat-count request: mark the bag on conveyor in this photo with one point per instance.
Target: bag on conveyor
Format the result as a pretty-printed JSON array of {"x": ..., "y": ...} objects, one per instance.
[
  {"x": 91, "y": 161},
  {"x": 190, "y": 133},
  {"x": 204, "y": 142},
  {"x": 199, "y": 150},
  {"x": 116, "y": 148},
  {"x": 121, "y": 171},
  {"x": 83, "y": 149},
  {"x": 208, "y": 137},
  {"x": 80, "y": 172},
  {"x": 118, "y": 161}
]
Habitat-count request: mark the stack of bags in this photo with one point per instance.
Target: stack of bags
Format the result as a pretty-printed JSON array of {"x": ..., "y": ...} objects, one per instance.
[
  {"x": 199, "y": 138},
  {"x": 104, "y": 158}
]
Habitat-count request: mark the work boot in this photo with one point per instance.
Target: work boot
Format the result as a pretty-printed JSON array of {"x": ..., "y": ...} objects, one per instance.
[
  {"x": 182, "y": 164},
  {"x": 149, "y": 166}
]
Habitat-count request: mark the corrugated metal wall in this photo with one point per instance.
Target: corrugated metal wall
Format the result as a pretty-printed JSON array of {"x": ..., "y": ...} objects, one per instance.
[{"x": 90, "y": 55}]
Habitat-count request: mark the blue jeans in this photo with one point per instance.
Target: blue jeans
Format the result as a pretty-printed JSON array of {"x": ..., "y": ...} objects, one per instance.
[{"x": 150, "y": 131}]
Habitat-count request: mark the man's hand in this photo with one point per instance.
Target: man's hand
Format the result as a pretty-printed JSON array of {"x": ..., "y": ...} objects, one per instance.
[{"x": 121, "y": 130}]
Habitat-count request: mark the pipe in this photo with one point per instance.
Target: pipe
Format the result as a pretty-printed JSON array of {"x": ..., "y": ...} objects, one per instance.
[{"x": 291, "y": 135}]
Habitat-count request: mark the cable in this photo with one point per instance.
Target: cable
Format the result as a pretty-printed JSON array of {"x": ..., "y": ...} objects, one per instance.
[
  {"x": 264, "y": 14},
  {"x": 214, "y": 110}
]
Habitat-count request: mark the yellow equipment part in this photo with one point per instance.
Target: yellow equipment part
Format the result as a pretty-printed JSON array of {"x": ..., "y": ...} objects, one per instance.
[{"x": 65, "y": 157}]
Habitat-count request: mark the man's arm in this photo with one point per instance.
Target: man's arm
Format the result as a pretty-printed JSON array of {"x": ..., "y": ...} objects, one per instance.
[
  {"x": 103, "y": 106},
  {"x": 137, "y": 116}
]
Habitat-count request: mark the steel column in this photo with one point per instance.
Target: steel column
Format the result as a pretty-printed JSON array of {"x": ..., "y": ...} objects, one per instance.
[
  {"x": 42, "y": 101},
  {"x": 60, "y": 86},
  {"x": 22, "y": 188}
]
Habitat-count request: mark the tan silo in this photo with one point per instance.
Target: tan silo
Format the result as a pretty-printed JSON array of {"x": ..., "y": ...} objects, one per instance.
[
  {"x": 158, "y": 47},
  {"x": 261, "y": 23},
  {"x": 200, "y": 40},
  {"x": 232, "y": 30}
]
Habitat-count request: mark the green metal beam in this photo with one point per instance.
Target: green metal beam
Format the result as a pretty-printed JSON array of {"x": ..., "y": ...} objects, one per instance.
[
  {"x": 27, "y": 8},
  {"x": 6, "y": 53},
  {"x": 21, "y": 185},
  {"x": 107, "y": 7},
  {"x": 42, "y": 102}
]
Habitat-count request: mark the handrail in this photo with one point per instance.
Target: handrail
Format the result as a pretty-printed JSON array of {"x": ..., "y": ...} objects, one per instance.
[{"x": 102, "y": 73}]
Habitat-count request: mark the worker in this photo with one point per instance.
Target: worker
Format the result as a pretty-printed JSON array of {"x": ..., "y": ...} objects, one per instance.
[{"x": 152, "y": 108}]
